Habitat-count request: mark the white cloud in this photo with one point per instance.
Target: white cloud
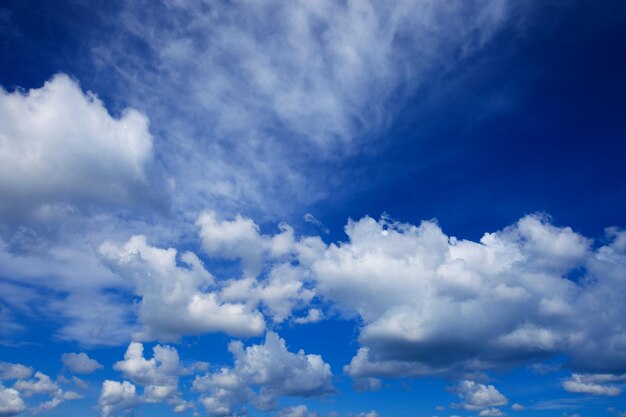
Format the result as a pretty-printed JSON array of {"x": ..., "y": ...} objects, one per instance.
[
  {"x": 60, "y": 148},
  {"x": 159, "y": 375},
  {"x": 432, "y": 303},
  {"x": 478, "y": 396},
  {"x": 174, "y": 291},
  {"x": 594, "y": 384},
  {"x": 296, "y": 411},
  {"x": 270, "y": 368},
  {"x": 517, "y": 407},
  {"x": 40, "y": 384},
  {"x": 285, "y": 286},
  {"x": 372, "y": 413},
  {"x": 80, "y": 363},
  {"x": 321, "y": 74},
  {"x": 491, "y": 412},
  {"x": 14, "y": 371},
  {"x": 117, "y": 399},
  {"x": 10, "y": 402}
]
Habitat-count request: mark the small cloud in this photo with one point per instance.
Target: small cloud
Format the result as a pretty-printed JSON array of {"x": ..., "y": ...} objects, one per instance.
[
  {"x": 80, "y": 363},
  {"x": 309, "y": 218}
]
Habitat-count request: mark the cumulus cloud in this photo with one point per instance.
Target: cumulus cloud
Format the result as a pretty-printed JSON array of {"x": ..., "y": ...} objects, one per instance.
[
  {"x": 175, "y": 295},
  {"x": 14, "y": 371},
  {"x": 260, "y": 375},
  {"x": 60, "y": 148},
  {"x": 478, "y": 396},
  {"x": 432, "y": 303},
  {"x": 286, "y": 285},
  {"x": 117, "y": 398},
  {"x": 40, "y": 385},
  {"x": 80, "y": 363},
  {"x": 159, "y": 375},
  {"x": 10, "y": 402},
  {"x": 598, "y": 384}
]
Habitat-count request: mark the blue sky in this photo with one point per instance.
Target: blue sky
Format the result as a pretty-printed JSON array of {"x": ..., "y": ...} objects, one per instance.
[{"x": 312, "y": 208}]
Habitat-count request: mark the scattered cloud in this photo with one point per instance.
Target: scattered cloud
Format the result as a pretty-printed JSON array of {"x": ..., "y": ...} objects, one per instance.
[
  {"x": 80, "y": 363},
  {"x": 268, "y": 367},
  {"x": 598, "y": 384}
]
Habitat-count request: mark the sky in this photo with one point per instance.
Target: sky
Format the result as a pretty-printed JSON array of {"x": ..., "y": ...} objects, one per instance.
[{"x": 312, "y": 208}]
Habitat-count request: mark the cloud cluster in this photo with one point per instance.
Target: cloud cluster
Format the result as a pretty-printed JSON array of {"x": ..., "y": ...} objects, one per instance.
[
  {"x": 175, "y": 293},
  {"x": 274, "y": 266},
  {"x": 432, "y": 303},
  {"x": 41, "y": 385},
  {"x": 158, "y": 376},
  {"x": 261, "y": 374}
]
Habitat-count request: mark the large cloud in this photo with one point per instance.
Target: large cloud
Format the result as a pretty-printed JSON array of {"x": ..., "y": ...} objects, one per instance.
[
  {"x": 60, "y": 148},
  {"x": 433, "y": 303},
  {"x": 237, "y": 79},
  {"x": 263, "y": 373}
]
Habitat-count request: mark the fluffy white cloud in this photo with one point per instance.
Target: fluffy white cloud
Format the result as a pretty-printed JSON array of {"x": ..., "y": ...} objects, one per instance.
[
  {"x": 14, "y": 371},
  {"x": 271, "y": 369},
  {"x": 40, "y": 384},
  {"x": 159, "y": 375},
  {"x": 10, "y": 402},
  {"x": 517, "y": 407},
  {"x": 60, "y": 147},
  {"x": 175, "y": 293},
  {"x": 478, "y": 396},
  {"x": 285, "y": 287},
  {"x": 432, "y": 303},
  {"x": 598, "y": 384},
  {"x": 80, "y": 363},
  {"x": 117, "y": 399}
]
